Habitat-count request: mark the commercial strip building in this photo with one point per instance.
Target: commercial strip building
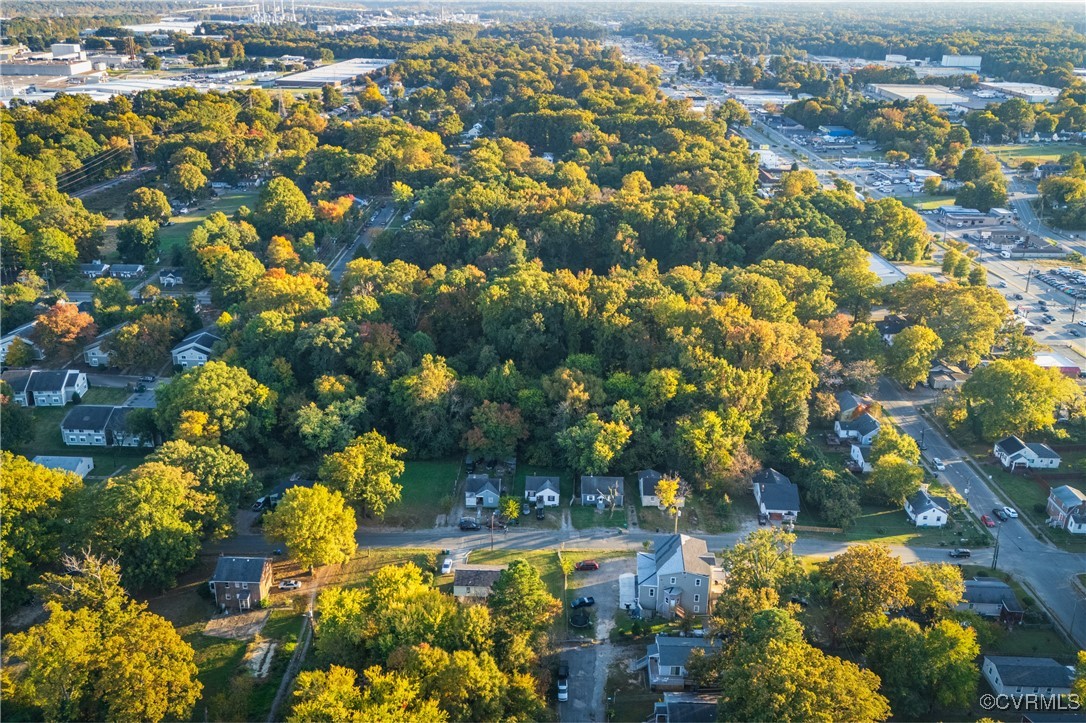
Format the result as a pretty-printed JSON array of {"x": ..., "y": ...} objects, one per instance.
[
  {"x": 336, "y": 74},
  {"x": 937, "y": 95},
  {"x": 1033, "y": 92}
]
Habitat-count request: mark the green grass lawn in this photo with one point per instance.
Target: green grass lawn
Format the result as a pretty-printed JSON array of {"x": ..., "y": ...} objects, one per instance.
[
  {"x": 227, "y": 202},
  {"x": 892, "y": 527},
  {"x": 545, "y": 561},
  {"x": 428, "y": 491},
  {"x": 369, "y": 559},
  {"x": 47, "y": 439},
  {"x": 585, "y": 517},
  {"x": 1040, "y": 153},
  {"x": 925, "y": 202}
]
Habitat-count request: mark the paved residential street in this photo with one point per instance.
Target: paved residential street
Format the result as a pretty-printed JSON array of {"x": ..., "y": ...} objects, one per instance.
[{"x": 1047, "y": 569}]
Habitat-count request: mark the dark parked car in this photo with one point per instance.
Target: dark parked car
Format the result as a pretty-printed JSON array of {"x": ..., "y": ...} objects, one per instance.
[
  {"x": 587, "y": 565},
  {"x": 540, "y": 513},
  {"x": 960, "y": 552},
  {"x": 583, "y": 602},
  {"x": 467, "y": 524},
  {"x": 999, "y": 513},
  {"x": 148, "y": 378}
]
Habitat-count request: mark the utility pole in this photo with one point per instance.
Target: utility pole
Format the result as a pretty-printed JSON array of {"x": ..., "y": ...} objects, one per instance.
[
  {"x": 1029, "y": 277},
  {"x": 995, "y": 552}
]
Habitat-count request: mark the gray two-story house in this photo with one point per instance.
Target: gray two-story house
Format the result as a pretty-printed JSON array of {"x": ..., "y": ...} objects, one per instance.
[{"x": 679, "y": 578}]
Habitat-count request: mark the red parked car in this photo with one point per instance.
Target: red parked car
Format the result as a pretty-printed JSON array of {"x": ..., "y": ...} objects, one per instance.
[
  {"x": 587, "y": 565},
  {"x": 988, "y": 521}
]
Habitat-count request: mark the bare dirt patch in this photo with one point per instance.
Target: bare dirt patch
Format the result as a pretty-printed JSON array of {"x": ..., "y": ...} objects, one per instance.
[
  {"x": 243, "y": 626},
  {"x": 259, "y": 657}
]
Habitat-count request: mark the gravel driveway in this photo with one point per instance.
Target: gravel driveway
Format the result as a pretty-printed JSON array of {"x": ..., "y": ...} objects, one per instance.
[{"x": 589, "y": 659}]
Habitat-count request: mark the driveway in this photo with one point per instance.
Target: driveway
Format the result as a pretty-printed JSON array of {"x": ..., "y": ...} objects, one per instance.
[{"x": 590, "y": 659}]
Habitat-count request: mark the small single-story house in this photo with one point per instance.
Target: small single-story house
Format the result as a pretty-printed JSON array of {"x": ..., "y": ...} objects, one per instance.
[
  {"x": 863, "y": 429},
  {"x": 1013, "y": 453},
  {"x": 680, "y": 577},
  {"x": 81, "y": 466},
  {"x": 126, "y": 271},
  {"x": 543, "y": 491},
  {"x": 666, "y": 660},
  {"x": 852, "y": 405},
  {"x": 891, "y": 326},
  {"x": 241, "y": 583},
  {"x": 602, "y": 491},
  {"x": 475, "y": 581},
  {"x": 647, "y": 479},
  {"x": 685, "y": 708},
  {"x": 927, "y": 510},
  {"x": 1012, "y": 675},
  {"x": 857, "y": 455},
  {"x": 1067, "y": 509},
  {"x": 481, "y": 490},
  {"x": 195, "y": 349},
  {"x": 946, "y": 376},
  {"x": 1044, "y": 170},
  {"x": 96, "y": 355},
  {"x": 94, "y": 270},
  {"x": 991, "y": 598},
  {"x": 37, "y": 388},
  {"x": 777, "y": 496},
  {"x": 96, "y": 425},
  {"x": 169, "y": 278}
]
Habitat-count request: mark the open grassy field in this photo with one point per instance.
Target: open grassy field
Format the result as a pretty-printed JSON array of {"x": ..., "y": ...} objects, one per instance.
[
  {"x": 926, "y": 203},
  {"x": 428, "y": 489},
  {"x": 892, "y": 527},
  {"x": 1013, "y": 155},
  {"x": 228, "y": 202}
]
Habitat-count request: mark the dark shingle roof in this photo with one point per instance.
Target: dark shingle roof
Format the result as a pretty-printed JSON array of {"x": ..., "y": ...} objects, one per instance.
[
  {"x": 239, "y": 569},
  {"x": 480, "y": 482},
  {"x": 647, "y": 479},
  {"x": 18, "y": 379},
  {"x": 921, "y": 502},
  {"x": 690, "y": 708},
  {"x": 1010, "y": 445},
  {"x": 539, "y": 484},
  {"x": 676, "y": 651},
  {"x": 1043, "y": 451},
  {"x": 863, "y": 425},
  {"x": 779, "y": 496},
  {"x": 204, "y": 339},
  {"x": 693, "y": 552},
  {"x": 1020, "y": 671},
  {"x": 980, "y": 591},
  {"x": 600, "y": 485},
  {"x": 88, "y": 416},
  {"x": 50, "y": 381},
  {"x": 770, "y": 476},
  {"x": 477, "y": 575}
]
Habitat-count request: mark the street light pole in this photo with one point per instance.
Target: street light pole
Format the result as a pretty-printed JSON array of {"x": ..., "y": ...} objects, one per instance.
[
  {"x": 995, "y": 552},
  {"x": 1029, "y": 276}
]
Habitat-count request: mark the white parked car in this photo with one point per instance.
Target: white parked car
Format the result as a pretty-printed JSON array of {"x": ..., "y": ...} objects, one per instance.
[
  {"x": 290, "y": 584},
  {"x": 1010, "y": 512},
  {"x": 939, "y": 465},
  {"x": 446, "y": 567}
]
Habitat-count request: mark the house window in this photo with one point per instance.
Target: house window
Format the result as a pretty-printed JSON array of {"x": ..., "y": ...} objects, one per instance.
[
  {"x": 652, "y": 592},
  {"x": 697, "y": 608},
  {"x": 697, "y": 582},
  {"x": 245, "y": 585},
  {"x": 229, "y": 596},
  {"x": 672, "y": 581},
  {"x": 697, "y": 598}
]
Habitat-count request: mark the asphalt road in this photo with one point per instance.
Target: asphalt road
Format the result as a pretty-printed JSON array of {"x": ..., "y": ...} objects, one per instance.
[
  {"x": 380, "y": 221},
  {"x": 1046, "y": 568}
]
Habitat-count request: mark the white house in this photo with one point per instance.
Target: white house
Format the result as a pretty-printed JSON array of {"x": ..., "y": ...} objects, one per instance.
[
  {"x": 680, "y": 577},
  {"x": 1012, "y": 453},
  {"x": 94, "y": 270},
  {"x": 81, "y": 466},
  {"x": 169, "y": 278},
  {"x": 542, "y": 490},
  {"x": 927, "y": 510},
  {"x": 862, "y": 430},
  {"x": 126, "y": 271},
  {"x": 602, "y": 491},
  {"x": 96, "y": 355},
  {"x": 647, "y": 479},
  {"x": 666, "y": 661},
  {"x": 23, "y": 334},
  {"x": 36, "y": 388},
  {"x": 482, "y": 490},
  {"x": 776, "y": 495},
  {"x": 1013, "y": 675},
  {"x": 861, "y": 462},
  {"x": 195, "y": 349}
]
